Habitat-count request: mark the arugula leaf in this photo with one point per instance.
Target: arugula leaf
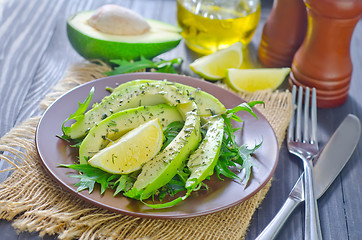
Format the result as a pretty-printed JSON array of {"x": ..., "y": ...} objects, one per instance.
[
  {"x": 73, "y": 142},
  {"x": 222, "y": 168},
  {"x": 176, "y": 185},
  {"x": 225, "y": 161},
  {"x": 167, "y": 66},
  {"x": 121, "y": 184},
  {"x": 131, "y": 66},
  {"x": 89, "y": 176},
  {"x": 245, "y": 154},
  {"x": 243, "y": 107},
  {"x": 231, "y": 153},
  {"x": 158, "y": 65},
  {"x": 124, "y": 183},
  {"x": 171, "y": 132},
  {"x": 79, "y": 113}
]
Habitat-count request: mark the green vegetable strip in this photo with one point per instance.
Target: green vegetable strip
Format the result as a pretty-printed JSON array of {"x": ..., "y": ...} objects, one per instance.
[
  {"x": 158, "y": 65},
  {"x": 90, "y": 176},
  {"x": 79, "y": 114},
  {"x": 231, "y": 153}
]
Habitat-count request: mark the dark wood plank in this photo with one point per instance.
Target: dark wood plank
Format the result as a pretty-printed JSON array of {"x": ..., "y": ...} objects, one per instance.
[
  {"x": 27, "y": 37},
  {"x": 351, "y": 176}
]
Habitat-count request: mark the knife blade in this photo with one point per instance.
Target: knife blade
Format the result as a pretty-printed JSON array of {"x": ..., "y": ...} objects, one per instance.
[{"x": 330, "y": 161}]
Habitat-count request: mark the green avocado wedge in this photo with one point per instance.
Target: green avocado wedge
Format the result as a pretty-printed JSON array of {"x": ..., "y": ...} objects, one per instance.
[
  {"x": 115, "y": 126},
  {"x": 93, "y": 44},
  {"x": 145, "y": 93},
  {"x": 203, "y": 161},
  {"x": 162, "y": 168}
]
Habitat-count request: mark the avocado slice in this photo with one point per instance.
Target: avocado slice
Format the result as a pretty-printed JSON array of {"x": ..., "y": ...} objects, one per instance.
[
  {"x": 115, "y": 126},
  {"x": 164, "y": 166},
  {"x": 146, "y": 93},
  {"x": 202, "y": 162},
  {"x": 93, "y": 44}
]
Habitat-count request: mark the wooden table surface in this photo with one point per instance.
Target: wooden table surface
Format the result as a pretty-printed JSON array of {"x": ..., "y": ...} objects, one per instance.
[{"x": 35, "y": 53}]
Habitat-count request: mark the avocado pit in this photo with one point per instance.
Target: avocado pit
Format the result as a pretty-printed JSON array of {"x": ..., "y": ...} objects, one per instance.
[{"x": 117, "y": 20}]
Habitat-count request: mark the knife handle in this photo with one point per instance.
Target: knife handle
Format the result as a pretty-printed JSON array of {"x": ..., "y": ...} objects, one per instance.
[{"x": 278, "y": 221}]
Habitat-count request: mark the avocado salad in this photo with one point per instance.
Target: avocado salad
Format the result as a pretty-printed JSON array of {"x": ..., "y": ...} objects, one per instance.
[{"x": 187, "y": 136}]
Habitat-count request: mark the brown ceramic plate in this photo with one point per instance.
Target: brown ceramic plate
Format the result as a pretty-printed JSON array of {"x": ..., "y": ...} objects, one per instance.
[{"x": 221, "y": 195}]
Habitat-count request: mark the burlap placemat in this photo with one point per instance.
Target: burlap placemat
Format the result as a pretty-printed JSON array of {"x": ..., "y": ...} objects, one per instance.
[{"x": 34, "y": 202}]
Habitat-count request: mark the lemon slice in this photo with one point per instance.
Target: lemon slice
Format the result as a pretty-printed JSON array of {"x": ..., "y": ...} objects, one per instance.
[
  {"x": 132, "y": 150},
  {"x": 251, "y": 80},
  {"x": 213, "y": 66}
]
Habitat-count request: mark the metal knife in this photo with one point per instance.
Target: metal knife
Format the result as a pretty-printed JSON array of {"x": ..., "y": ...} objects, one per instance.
[{"x": 330, "y": 162}]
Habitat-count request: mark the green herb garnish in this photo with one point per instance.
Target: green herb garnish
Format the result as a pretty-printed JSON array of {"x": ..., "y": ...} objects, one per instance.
[
  {"x": 231, "y": 153},
  {"x": 89, "y": 176},
  {"x": 157, "y": 65},
  {"x": 79, "y": 114},
  {"x": 171, "y": 132}
]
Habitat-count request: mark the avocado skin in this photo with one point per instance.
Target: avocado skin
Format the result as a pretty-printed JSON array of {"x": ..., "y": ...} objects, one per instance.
[{"x": 92, "y": 48}]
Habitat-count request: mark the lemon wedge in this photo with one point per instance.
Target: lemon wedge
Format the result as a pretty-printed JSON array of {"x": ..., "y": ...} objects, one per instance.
[
  {"x": 213, "y": 66},
  {"x": 132, "y": 150},
  {"x": 251, "y": 80}
]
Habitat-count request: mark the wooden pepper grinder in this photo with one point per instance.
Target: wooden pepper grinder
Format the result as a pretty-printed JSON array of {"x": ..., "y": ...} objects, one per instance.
[
  {"x": 323, "y": 61},
  {"x": 283, "y": 33}
]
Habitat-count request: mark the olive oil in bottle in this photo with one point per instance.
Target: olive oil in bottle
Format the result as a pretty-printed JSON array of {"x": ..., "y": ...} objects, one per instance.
[{"x": 209, "y": 26}]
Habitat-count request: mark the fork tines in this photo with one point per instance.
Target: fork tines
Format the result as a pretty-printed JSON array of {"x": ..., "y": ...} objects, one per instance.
[{"x": 308, "y": 136}]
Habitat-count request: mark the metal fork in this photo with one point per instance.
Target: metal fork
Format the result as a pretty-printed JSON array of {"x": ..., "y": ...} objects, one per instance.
[{"x": 306, "y": 148}]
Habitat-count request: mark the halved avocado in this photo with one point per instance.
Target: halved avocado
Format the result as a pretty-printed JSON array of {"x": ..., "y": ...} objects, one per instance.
[{"x": 93, "y": 44}]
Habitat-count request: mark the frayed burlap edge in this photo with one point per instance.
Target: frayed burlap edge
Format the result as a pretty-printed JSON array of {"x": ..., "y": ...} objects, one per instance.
[{"x": 34, "y": 202}]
